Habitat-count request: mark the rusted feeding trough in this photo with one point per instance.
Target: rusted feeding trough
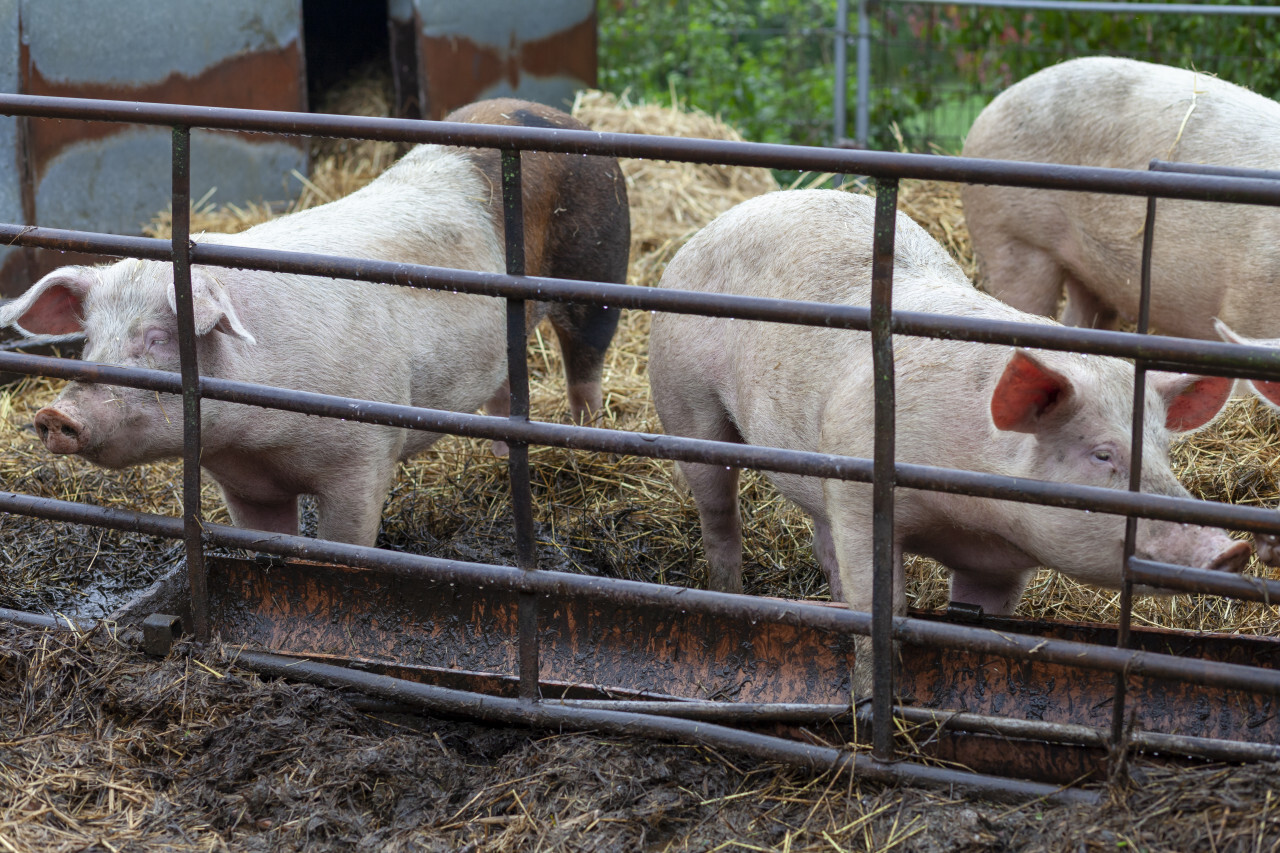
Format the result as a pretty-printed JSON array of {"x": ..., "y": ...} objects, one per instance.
[{"x": 1049, "y": 703}]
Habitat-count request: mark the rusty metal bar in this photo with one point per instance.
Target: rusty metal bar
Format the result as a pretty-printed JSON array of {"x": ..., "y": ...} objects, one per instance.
[
  {"x": 545, "y": 714},
  {"x": 181, "y": 242},
  {"x": 841, "y": 161},
  {"x": 1186, "y": 579},
  {"x": 1177, "y": 354},
  {"x": 883, "y": 562},
  {"x": 1069, "y": 734},
  {"x": 1021, "y": 490},
  {"x": 549, "y": 583},
  {"x": 518, "y": 452}
]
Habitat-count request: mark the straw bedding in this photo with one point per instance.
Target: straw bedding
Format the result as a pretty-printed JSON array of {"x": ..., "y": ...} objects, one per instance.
[{"x": 102, "y": 749}]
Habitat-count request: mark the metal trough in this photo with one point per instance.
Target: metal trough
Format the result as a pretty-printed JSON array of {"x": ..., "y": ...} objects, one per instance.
[{"x": 780, "y": 677}]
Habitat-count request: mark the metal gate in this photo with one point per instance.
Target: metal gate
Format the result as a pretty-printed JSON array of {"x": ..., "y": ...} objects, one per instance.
[{"x": 555, "y": 631}]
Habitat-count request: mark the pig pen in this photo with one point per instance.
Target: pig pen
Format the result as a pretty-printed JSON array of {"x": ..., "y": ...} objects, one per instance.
[{"x": 104, "y": 747}]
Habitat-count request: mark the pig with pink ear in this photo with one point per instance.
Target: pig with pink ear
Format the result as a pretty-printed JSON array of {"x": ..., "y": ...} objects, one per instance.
[
  {"x": 439, "y": 206},
  {"x": 1267, "y": 545},
  {"x": 1045, "y": 415}
]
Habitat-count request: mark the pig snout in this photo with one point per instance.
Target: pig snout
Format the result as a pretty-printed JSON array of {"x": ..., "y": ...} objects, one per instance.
[{"x": 60, "y": 432}]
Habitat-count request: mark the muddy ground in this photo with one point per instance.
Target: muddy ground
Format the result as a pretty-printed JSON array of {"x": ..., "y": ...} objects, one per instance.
[{"x": 105, "y": 749}]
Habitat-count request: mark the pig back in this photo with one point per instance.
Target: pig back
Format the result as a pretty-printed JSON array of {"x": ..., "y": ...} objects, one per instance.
[{"x": 1120, "y": 113}]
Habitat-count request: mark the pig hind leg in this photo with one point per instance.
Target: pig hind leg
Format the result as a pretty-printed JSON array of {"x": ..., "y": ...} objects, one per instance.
[
  {"x": 715, "y": 491},
  {"x": 690, "y": 410},
  {"x": 1024, "y": 276},
  {"x": 592, "y": 242},
  {"x": 584, "y": 333},
  {"x": 1084, "y": 309}
]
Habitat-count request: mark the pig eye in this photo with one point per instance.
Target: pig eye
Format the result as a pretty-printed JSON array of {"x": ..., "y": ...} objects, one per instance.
[
  {"x": 1102, "y": 454},
  {"x": 157, "y": 338}
]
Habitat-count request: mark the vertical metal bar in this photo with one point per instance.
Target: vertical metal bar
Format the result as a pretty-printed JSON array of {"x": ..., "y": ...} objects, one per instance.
[
  {"x": 841, "y": 93},
  {"x": 181, "y": 241},
  {"x": 518, "y": 458},
  {"x": 883, "y": 562},
  {"x": 1135, "y": 485},
  {"x": 862, "y": 117}
]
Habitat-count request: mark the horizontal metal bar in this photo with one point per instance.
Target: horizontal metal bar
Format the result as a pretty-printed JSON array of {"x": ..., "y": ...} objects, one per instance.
[
  {"x": 39, "y": 620},
  {"x": 1160, "y": 353},
  {"x": 722, "y": 152},
  {"x": 1071, "y": 734},
  {"x": 1186, "y": 579},
  {"x": 1210, "y": 169},
  {"x": 1106, "y": 6},
  {"x": 973, "y": 483},
  {"x": 64, "y": 239},
  {"x": 558, "y": 584},
  {"x": 544, "y": 714}
]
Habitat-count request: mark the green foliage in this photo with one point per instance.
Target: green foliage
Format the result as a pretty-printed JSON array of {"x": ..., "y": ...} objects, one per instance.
[
  {"x": 767, "y": 66},
  {"x": 960, "y": 52},
  {"x": 764, "y": 66}
]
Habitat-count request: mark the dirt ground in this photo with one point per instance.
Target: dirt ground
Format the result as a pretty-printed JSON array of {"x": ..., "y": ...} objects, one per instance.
[{"x": 105, "y": 749}]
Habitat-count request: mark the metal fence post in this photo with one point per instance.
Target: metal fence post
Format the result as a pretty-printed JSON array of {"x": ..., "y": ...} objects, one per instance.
[
  {"x": 883, "y": 484},
  {"x": 1119, "y": 745},
  {"x": 181, "y": 241},
  {"x": 518, "y": 455}
]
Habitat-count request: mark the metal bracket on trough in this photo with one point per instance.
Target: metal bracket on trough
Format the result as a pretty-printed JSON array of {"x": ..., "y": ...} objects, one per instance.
[{"x": 159, "y": 631}]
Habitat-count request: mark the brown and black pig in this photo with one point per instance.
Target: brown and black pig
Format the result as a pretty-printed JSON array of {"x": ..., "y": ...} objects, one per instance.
[
  {"x": 1061, "y": 417},
  {"x": 1209, "y": 260},
  {"x": 438, "y": 205}
]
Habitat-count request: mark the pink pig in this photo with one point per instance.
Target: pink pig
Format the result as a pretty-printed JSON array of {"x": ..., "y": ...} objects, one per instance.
[
  {"x": 440, "y": 206},
  {"x": 1054, "y": 416}
]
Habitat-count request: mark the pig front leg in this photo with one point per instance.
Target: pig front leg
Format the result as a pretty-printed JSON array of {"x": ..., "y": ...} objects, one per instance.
[
  {"x": 998, "y": 594},
  {"x": 278, "y": 515},
  {"x": 824, "y": 548},
  {"x": 1027, "y": 277},
  {"x": 349, "y": 508},
  {"x": 849, "y": 510}
]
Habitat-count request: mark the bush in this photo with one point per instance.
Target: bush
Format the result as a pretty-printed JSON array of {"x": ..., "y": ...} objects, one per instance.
[{"x": 767, "y": 66}]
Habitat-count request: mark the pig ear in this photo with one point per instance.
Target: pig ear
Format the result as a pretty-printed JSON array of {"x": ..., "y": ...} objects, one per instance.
[
  {"x": 1027, "y": 392},
  {"x": 1194, "y": 401},
  {"x": 212, "y": 307},
  {"x": 54, "y": 305},
  {"x": 1268, "y": 391}
]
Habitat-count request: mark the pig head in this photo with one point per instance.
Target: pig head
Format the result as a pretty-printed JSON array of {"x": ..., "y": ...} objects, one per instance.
[{"x": 128, "y": 314}]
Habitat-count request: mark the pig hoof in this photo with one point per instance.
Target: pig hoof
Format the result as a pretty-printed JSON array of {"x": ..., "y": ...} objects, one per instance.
[
  {"x": 500, "y": 449},
  {"x": 1233, "y": 559}
]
